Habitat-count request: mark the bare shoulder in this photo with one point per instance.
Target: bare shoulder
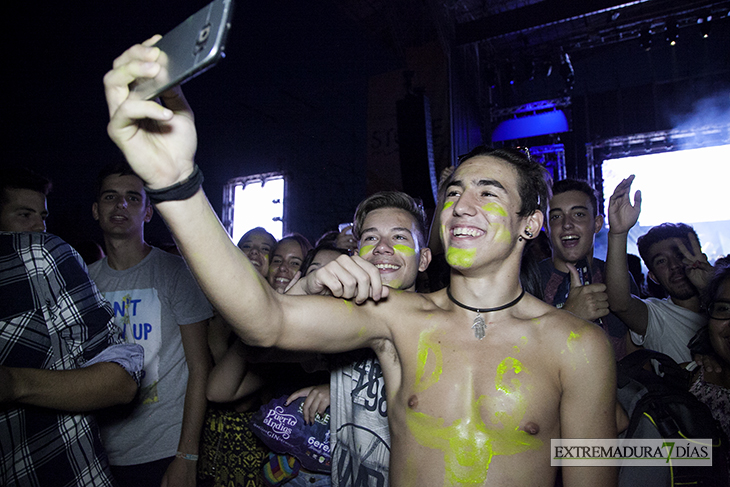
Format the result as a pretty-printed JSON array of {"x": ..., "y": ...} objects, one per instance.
[{"x": 569, "y": 335}]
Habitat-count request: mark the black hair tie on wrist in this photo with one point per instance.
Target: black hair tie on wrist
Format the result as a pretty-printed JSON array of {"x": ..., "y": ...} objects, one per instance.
[{"x": 178, "y": 191}]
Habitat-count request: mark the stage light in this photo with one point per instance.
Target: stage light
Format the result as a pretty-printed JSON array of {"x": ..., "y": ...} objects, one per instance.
[
  {"x": 705, "y": 25},
  {"x": 510, "y": 72},
  {"x": 566, "y": 70},
  {"x": 491, "y": 76},
  {"x": 672, "y": 33},
  {"x": 645, "y": 38}
]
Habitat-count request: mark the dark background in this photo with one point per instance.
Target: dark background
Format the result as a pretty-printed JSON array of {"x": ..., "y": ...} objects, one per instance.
[{"x": 291, "y": 94}]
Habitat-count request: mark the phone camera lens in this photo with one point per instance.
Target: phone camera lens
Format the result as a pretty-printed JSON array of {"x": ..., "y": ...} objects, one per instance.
[{"x": 203, "y": 34}]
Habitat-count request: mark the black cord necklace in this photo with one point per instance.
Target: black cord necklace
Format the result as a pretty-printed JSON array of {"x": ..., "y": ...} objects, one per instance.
[{"x": 479, "y": 325}]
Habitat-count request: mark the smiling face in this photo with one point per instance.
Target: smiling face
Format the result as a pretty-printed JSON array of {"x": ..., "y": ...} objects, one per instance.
[
  {"x": 389, "y": 241},
  {"x": 23, "y": 210},
  {"x": 479, "y": 218},
  {"x": 122, "y": 208},
  {"x": 258, "y": 246},
  {"x": 666, "y": 269},
  {"x": 572, "y": 228},
  {"x": 720, "y": 324},
  {"x": 285, "y": 263}
]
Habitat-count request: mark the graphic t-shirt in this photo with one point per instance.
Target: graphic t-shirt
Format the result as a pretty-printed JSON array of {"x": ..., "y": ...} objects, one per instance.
[
  {"x": 359, "y": 421},
  {"x": 150, "y": 301}
]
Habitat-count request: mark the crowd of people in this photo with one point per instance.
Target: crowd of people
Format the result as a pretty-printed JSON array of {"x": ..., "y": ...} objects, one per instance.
[{"x": 147, "y": 369}]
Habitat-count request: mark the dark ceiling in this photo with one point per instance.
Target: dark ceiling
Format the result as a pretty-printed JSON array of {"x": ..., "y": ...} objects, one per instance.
[
  {"x": 292, "y": 94},
  {"x": 527, "y": 26}
]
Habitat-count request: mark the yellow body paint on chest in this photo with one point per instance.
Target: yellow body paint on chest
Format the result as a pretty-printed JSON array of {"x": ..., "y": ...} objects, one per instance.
[
  {"x": 469, "y": 444},
  {"x": 460, "y": 257},
  {"x": 365, "y": 249},
  {"x": 426, "y": 345},
  {"x": 348, "y": 305}
]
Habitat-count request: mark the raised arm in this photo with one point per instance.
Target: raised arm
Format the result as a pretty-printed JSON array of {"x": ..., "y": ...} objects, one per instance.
[
  {"x": 159, "y": 143},
  {"x": 622, "y": 216}
]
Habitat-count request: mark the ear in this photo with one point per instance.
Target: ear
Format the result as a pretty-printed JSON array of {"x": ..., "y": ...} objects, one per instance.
[
  {"x": 148, "y": 213},
  {"x": 534, "y": 223},
  {"x": 95, "y": 210},
  {"x": 598, "y": 223},
  {"x": 651, "y": 276},
  {"x": 424, "y": 260}
]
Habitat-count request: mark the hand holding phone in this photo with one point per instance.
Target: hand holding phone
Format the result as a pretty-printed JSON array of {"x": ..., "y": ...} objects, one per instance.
[{"x": 189, "y": 49}]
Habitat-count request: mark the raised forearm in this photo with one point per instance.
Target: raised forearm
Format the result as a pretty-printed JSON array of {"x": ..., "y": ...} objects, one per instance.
[
  {"x": 95, "y": 387},
  {"x": 223, "y": 272},
  {"x": 617, "y": 273},
  {"x": 630, "y": 309}
]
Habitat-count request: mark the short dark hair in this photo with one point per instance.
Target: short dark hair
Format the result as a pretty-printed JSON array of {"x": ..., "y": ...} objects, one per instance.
[
  {"x": 122, "y": 168},
  {"x": 565, "y": 185},
  {"x": 661, "y": 232},
  {"x": 261, "y": 230},
  {"x": 309, "y": 258},
  {"x": 534, "y": 181},
  {"x": 391, "y": 199},
  {"x": 22, "y": 178}
]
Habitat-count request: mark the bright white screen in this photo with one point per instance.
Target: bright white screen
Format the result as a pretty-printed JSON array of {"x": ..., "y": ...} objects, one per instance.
[
  {"x": 259, "y": 205},
  {"x": 689, "y": 186},
  {"x": 684, "y": 186}
]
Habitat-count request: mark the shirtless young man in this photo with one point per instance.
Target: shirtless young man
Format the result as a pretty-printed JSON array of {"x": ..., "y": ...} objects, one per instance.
[{"x": 462, "y": 410}]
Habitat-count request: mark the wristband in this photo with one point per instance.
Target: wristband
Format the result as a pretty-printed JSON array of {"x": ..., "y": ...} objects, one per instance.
[
  {"x": 187, "y": 456},
  {"x": 178, "y": 191}
]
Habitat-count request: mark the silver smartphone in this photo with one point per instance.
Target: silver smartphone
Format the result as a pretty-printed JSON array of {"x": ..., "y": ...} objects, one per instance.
[{"x": 189, "y": 49}]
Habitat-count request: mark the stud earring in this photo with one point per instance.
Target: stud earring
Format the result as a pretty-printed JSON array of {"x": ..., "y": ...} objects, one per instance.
[{"x": 528, "y": 233}]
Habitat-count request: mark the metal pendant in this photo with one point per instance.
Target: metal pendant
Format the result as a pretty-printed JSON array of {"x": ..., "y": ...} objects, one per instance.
[{"x": 479, "y": 327}]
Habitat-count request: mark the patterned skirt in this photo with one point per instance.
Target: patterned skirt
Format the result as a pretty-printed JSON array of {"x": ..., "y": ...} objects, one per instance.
[{"x": 230, "y": 454}]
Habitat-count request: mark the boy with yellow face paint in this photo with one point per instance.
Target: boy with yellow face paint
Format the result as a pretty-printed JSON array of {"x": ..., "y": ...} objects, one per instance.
[
  {"x": 464, "y": 406},
  {"x": 390, "y": 230}
]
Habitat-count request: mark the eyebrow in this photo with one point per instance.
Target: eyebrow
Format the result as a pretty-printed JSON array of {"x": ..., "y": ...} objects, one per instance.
[
  {"x": 395, "y": 229},
  {"x": 576, "y": 207},
  {"x": 114, "y": 191},
  {"x": 479, "y": 183},
  {"x": 33, "y": 210}
]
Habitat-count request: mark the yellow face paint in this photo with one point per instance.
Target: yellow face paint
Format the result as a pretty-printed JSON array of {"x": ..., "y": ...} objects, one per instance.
[
  {"x": 460, "y": 257},
  {"x": 426, "y": 344},
  {"x": 468, "y": 443},
  {"x": 362, "y": 332},
  {"x": 405, "y": 250},
  {"x": 365, "y": 249},
  {"x": 394, "y": 284},
  {"x": 501, "y": 233},
  {"x": 494, "y": 209},
  {"x": 448, "y": 205}
]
